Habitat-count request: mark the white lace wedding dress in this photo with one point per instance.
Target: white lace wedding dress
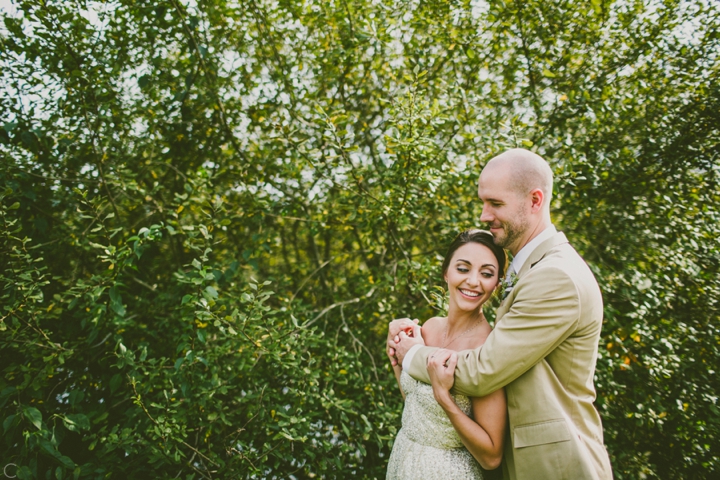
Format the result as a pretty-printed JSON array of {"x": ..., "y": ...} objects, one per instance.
[{"x": 427, "y": 446}]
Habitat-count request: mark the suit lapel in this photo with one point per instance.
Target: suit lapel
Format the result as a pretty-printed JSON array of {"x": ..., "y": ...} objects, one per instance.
[{"x": 537, "y": 255}]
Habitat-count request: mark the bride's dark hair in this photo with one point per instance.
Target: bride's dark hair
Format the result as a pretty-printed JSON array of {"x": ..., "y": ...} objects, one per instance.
[{"x": 483, "y": 237}]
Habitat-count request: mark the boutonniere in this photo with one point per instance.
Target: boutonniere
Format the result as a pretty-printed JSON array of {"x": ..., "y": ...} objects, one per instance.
[{"x": 508, "y": 284}]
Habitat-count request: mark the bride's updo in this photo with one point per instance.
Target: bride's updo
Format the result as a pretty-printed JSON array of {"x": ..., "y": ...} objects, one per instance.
[{"x": 483, "y": 237}]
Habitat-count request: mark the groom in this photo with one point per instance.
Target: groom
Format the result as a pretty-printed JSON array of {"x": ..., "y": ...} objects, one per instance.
[{"x": 544, "y": 346}]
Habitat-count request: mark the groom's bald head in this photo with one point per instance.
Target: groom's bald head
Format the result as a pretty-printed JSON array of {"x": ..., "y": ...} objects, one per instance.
[{"x": 525, "y": 171}]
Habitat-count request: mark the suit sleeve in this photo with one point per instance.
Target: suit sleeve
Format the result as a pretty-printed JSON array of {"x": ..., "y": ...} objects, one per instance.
[
  {"x": 544, "y": 312},
  {"x": 418, "y": 366}
]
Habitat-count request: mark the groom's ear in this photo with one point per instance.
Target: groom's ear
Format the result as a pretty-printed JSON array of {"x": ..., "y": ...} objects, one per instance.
[{"x": 536, "y": 198}]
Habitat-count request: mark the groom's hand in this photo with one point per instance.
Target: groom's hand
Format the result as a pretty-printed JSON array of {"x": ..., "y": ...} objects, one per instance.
[
  {"x": 405, "y": 341},
  {"x": 396, "y": 326}
]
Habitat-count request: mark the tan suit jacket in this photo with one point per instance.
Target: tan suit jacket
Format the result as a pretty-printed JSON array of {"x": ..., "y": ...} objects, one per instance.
[{"x": 543, "y": 351}]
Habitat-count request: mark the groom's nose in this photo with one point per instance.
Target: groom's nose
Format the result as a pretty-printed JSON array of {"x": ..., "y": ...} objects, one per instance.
[{"x": 486, "y": 215}]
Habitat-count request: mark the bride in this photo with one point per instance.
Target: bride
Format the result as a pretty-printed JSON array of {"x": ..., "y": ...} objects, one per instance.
[{"x": 448, "y": 436}]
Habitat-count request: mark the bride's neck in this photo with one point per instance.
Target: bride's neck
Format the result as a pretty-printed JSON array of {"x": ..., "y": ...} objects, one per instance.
[{"x": 461, "y": 320}]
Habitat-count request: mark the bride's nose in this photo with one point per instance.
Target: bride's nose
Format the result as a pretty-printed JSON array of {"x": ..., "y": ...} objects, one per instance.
[{"x": 473, "y": 279}]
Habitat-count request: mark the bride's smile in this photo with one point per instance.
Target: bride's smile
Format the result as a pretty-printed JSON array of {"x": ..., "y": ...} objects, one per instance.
[{"x": 469, "y": 293}]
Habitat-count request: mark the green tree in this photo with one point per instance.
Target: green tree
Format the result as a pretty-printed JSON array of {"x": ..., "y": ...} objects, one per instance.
[{"x": 212, "y": 209}]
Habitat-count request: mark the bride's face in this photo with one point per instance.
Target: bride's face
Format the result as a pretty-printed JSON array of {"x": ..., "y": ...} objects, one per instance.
[{"x": 471, "y": 276}]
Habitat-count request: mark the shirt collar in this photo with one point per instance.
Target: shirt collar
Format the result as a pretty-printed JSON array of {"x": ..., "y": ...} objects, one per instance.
[{"x": 519, "y": 260}]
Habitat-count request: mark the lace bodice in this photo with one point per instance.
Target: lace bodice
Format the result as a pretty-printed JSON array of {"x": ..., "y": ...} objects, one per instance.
[{"x": 424, "y": 420}]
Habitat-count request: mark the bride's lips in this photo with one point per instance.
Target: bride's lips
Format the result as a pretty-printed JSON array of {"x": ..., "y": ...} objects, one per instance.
[{"x": 469, "y": 297}]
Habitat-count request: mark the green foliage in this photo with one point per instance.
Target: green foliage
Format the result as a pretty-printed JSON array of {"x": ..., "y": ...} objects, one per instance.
[{"x": 211, "y": 212}]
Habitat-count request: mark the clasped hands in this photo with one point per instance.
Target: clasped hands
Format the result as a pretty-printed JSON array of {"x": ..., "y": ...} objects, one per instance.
[{"x": 403, "y": 334}]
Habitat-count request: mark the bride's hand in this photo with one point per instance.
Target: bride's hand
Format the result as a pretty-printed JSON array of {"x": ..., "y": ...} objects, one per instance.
[
  {"x": 396, "y": 326},
  {"x": 441, "y": 369}
]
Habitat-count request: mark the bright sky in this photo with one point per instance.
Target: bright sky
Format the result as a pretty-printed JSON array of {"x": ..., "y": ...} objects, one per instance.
[{"x": 7, "y": 6}]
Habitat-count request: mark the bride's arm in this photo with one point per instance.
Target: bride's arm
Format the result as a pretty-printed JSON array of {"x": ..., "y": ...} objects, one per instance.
[
  {"x": 483, "y": 436},
  {"x": 397, "y": 370},
  {"x": 393, "y": 329}
]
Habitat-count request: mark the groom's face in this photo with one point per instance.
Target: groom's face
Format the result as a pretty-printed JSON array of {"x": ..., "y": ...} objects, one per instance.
[{"x": 504, "y": 210}]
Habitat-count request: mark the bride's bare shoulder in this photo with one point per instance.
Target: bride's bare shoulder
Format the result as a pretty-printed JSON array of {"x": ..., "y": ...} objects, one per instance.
[{"x": 432, "y": 330}]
